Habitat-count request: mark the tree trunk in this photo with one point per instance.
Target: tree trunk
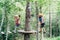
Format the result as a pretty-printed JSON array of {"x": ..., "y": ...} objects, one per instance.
[
  {"x": 57, "y": 26},
  {"x": 50, "y": 20},
  {"x": 50, "y": 25},
  {"x": 37, "y": 20},
  {"x": 6, "y": 22},
  {"x": 40, "y": 8},
  {"x": 27, "y": 21},
  {"x": 6, "y": 19}
]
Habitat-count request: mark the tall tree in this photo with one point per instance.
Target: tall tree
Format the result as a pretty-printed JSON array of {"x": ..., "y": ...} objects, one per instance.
[
  {"x": 57, "y": 25},
  {"x": 36, "y": 4},
  {"x": 27, "y": 20},
  {"x": 50, "y": 21},
  {"x": 57, "y": 19}
]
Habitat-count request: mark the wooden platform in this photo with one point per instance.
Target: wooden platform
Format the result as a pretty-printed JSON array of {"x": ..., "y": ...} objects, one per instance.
[
  {"x": 2, "y": 33},
  {"x": 26, "y": 32}
]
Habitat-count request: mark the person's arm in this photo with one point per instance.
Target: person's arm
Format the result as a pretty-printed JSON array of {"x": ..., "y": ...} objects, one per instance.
[
  {"x": 42, "y": 19},
  {"x": 18, "y": 20}
]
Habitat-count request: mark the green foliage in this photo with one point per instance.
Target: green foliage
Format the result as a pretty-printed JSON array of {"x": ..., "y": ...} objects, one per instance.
[{"x": 18, "y": 7}]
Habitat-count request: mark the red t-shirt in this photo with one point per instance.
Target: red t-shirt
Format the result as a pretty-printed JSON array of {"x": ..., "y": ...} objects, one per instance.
[{"x": 17, "y": 20}]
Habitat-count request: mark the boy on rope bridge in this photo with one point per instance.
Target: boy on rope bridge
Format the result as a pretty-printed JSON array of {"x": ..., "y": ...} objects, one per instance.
[
  {"x": 17, "y": 20},
  {"x": 41, "y": 21}
]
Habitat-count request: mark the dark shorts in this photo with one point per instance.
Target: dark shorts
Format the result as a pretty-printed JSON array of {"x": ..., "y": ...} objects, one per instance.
[
  {"x": 17, "y": 25},
  {"x": 42, "y": 25}
]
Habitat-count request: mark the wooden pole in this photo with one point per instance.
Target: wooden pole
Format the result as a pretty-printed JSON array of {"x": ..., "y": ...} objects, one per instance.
[
  {"x": 27, "y": 20},
  {"x": 37, "y": 20},
  {"x": 50, "y": 21}
]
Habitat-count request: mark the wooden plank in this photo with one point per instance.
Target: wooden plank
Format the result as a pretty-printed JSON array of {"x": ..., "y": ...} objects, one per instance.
[{"x": 26, "y": 32}]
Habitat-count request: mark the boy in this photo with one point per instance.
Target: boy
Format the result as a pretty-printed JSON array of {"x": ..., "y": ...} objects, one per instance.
[
  {"x": 17, "y": 20},
  {"x": 41, "y": 21}
]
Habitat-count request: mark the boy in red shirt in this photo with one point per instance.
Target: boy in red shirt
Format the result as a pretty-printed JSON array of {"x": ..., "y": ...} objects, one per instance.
[{"x": 17, "y": 20}]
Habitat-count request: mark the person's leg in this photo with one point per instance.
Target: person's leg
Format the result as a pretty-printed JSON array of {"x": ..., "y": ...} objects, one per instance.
[
  {"x": 40, "y": 29},
  {"x": 42, "y": 25},
  {"x": 44, "y": 30},
  {"x": 18, "y": 26}
]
